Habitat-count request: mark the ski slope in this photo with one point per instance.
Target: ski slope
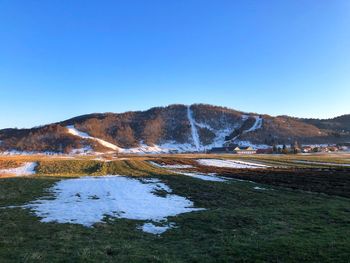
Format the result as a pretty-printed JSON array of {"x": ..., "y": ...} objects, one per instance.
[
  {"x": 257, "y": 125},
  {"x": 72, "y": 130},
  {"x": 195, "y": 144},
  {"x": 194, "y": 132}
]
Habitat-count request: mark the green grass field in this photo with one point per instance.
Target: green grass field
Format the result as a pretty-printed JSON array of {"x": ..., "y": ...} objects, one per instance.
[{"x": 240, "y": 224}]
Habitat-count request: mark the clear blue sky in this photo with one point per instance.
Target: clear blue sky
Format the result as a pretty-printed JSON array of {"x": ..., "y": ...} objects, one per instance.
[{"x": 62, "y": 58}]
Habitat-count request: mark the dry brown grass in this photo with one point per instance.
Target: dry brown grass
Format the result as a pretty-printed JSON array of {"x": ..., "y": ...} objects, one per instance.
[
  {"x": 139, "y": 163},
  {"x": 7, "y": 164}
]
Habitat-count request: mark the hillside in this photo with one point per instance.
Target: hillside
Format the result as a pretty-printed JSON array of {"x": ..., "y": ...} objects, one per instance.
[
  {"x": 340, "y": 125},
  {"x": 175, "y": 128}
]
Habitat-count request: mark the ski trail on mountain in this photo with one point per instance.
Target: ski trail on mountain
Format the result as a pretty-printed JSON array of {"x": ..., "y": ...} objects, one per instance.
[
  {"x": 256, "y": 125},
  {"x": 194, "y": 132},
  {"x": 72, "y": 130}
]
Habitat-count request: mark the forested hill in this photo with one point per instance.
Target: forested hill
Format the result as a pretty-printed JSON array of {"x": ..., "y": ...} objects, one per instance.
[{"x": 175, "y": 128}]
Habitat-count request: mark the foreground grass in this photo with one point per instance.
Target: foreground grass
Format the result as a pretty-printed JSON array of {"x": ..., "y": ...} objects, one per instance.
[{"x": 240, "y": 225}]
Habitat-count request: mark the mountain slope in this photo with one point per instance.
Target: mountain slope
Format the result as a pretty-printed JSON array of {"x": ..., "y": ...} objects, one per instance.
[
  {"x": 339, "y": 124},
  {"x": 175, "y": 128}
]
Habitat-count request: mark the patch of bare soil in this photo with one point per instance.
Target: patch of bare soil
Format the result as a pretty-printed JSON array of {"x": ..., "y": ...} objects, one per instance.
[{"x": 331, "y": 181}]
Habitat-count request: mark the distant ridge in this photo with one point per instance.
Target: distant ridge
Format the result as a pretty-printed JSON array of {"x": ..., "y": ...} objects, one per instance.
[{"x": 174, "y": 128}]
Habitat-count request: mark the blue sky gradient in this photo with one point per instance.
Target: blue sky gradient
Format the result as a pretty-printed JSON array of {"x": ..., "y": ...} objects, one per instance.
[{"x": 62, "y": 58}]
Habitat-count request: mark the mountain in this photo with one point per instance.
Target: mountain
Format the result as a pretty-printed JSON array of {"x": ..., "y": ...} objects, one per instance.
[{"x": 175, "y": 128}]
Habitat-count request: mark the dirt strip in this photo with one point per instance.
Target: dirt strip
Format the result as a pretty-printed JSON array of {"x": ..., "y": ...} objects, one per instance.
[{"x": 331, "y": 181}]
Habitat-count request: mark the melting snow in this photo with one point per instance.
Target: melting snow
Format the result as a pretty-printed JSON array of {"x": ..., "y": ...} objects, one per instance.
[
  {"x": 220, "y": 134},
  {"x": 172, "y": 146},
  {"x": 245, "y": 117},
  {"x": 82, "y": 151},
  {"x": 72, "y": 130},
  {"x": 177, "y": 166},
  {"x": 156, "y": 230},
  {"x": 259, "y": 188},
  {"x": 229, "y": 163},
  {"x": 205, "y": 177},
  {"x": 26, "y": 169},
  {"x": 194, "y": 132},
  {"x": 256, "y": 125},
  {"x": 172, "y": 166},
  {"x": 88, "y": 200},
  {"x": 142, "y": 149}
]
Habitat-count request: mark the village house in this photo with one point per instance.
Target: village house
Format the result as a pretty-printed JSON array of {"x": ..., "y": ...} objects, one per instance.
[
  {"x": 307, "y": 149},
  {"x": 320, "y": 148},
  {"x": 244, "y": 150},
  {"x": 233, "y": 149}
]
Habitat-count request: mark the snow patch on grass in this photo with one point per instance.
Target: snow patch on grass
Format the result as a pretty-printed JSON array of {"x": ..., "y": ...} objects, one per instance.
[
  {"x": 82, "y": 151},
  {"x": 27, "y": 168},
  {"x": 88, "y": 200},
  {"x": 205, "y": 177},
  {"x": 172, "y": 166},
  {"x": 230, "y": 163},
  {"x": 259, "y": 188},
  {"x": 156, "y": 230}
]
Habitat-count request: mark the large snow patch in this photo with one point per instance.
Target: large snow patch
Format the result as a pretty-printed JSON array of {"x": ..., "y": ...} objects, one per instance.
[
  {"x": 88, "y": 200},
  {"x": 204, "y": 177},
  {"x": 230, "y": 163},
  {"x": 201, "y": 176},
  {"x": 27, "y": 168}
]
